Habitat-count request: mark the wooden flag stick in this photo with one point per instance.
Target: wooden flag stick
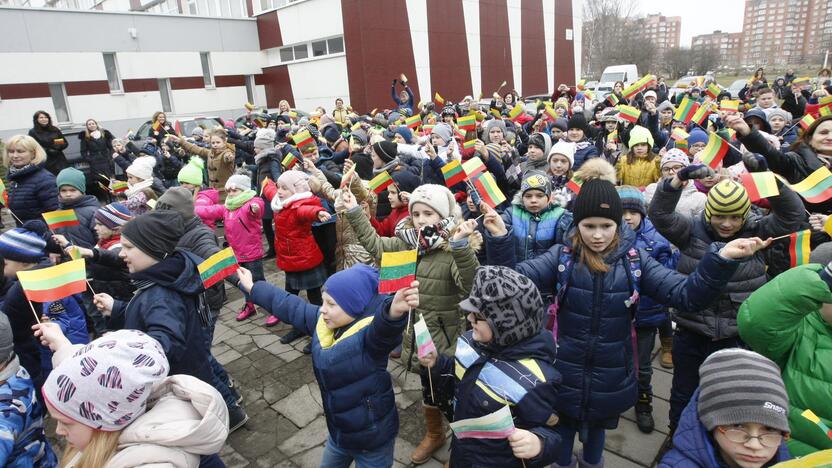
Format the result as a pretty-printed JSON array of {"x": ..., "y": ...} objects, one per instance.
[
  {"x": 782, "y": 237},
  {"x": 430, "y": 384},
  {"x": 90, "y": 286},
  {"x": 14, "y": 216},
  {"x": 33, "y": 311}
]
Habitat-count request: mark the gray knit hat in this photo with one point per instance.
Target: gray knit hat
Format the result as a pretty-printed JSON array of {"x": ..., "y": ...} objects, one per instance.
[{"x": 738, "y": 386}]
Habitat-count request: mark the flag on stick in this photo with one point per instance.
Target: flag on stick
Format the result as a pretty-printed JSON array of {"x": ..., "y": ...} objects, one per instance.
[
  {"x": 467, "y": 122},
  {"x": 679, "y": 134},
  {"x": 574, "y": 185},
  {"x": 473, "y": 167},
  {"x": 712, "y": 90},
  {"x": 628, "y": 113},
  {"x": 453, "y": 173},
  {"x": 469, "y": 144},
  {"x": 60, "y": 218},
  {"x": 817, "y": 187},
  {"x": 381, "y": 182},
  {"x": 701, "y": 114},
  {"x": 714, "y": 151},
  {"x": 302, "y": 138},
  {"x": 289, "y": 161},
  {"x": 729, "y": 106},
  {"x": 799, "y": 247},
  {"x": 398, "y": 270},
  {"x": 760, "y": 185},
  {"x": 687, "y": 108},
  {"x": 497, "y": 425},
  {"x": 424, "y": 342},
  {"x": 613, "y": 100},
  {"x": 488, "y": 190},
  {"x": 806, "y": 122},
  {"x": 439, "y": 100},
  {"x": 54, "y": 283},
  {"x": 413, "y": 121},
  {"x": 515, "y": 111},
  {"x": 217, "y": 267}
]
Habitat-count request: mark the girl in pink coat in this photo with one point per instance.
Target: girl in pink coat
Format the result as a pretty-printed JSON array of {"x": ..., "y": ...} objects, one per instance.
[
  {"x": 242, "y": 215},
  {"x": 190, "y": 177}
]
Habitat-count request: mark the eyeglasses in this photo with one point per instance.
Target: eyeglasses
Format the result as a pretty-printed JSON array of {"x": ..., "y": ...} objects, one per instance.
[{"x": 740, "y": 436}]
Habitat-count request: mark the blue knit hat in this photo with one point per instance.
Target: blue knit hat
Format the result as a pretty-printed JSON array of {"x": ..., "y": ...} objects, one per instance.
[
  {"x": 697, "y": 136},
  {"x": 113, "y": 215},
  {"x": 406, "y": 133},
  {"x": 632, "y": 199},
  {"x": 353, "y": 288},
  {"x": 22, "y": 245}
]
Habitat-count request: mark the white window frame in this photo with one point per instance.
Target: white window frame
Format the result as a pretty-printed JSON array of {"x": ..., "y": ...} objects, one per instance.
[
  {"x": 207, "y": 70},
  {"x": 309, "y": 52},
  {"x": 165, "y": 90},
  {"x": 120, "y": 89},
  {"x": 60, "y": 88}
]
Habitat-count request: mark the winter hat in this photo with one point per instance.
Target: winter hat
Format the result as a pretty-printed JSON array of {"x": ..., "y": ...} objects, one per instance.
[
  {"x": 437, "y": 197},
  {"x": 778, "y": 112},
  {"x": 406, "y": 181},
  {"x": 632, "y": 199},
  {"x": 360, "y": 136},
  {"x": 536, "y": 180},
  {"x": 72, "y": 177},
  {"x": 142, "y": 168},
  {"x": 639, "y": 134},
  {"x": 608, "y": 114},
  {"x": 198, "y": 131},
  {"x": 296, "y": 181},
  {"x": 386, "y": 150},
  {"x": 542, "y": 141},
  {"x": 597, "y": 198},
  {"x": 565, "y": 149},
  {"x": 759, "y": 114},
  {"x": 6, "y": 339},
  {"x": 178, "y": 199},
  {"x": 22, "y": 245},
  {"x": 264, "y": 139},
  {"x": 191, "y": 173},
  {"x": 493, "y": 150},
  {"x": 406, "y": 133},
  {"x": 238, "y": 181},
  {"x": 331, "y": 134},
  {"x": 363, "y": 165},
  {"x": 650, "y": 93},
  {"x": 113, "y": 215},
  {"x": 577, "y": 121},
  {"x": 727, "y": 198},
  {"x": 509, "y": 301},
  {"x": 665, "y": 105},
  {"x": 561, "y": 124},
  {"x": 738, "y": 386},
  {"x": 105, "y": 385},
  {"x": 494, "y": 123},
  {"x": 697, "y": 135},
  {"x": 444, "y": 131},
  {"x": 675, "y": 155},
  {"x": 821, "y": 254},
  {"x": 393, "y": 117},
  {"x": 353, "y": 288},
  {"x": 155, "y": 233}
]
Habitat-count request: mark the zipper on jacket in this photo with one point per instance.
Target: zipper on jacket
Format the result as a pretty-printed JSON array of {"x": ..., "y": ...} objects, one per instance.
[{"x": 593, "y": 333}]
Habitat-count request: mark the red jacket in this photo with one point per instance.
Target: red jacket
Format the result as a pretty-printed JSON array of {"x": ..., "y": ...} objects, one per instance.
[
  {"x": 293, "y": 242},
  {"x": 387, "y": 226}
]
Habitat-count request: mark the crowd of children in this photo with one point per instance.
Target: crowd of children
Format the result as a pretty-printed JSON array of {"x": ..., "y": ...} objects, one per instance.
[{"x": 619, "y": 225}]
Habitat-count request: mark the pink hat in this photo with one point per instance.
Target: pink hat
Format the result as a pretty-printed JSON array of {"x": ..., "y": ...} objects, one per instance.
[{"x": 295, "y": 181}]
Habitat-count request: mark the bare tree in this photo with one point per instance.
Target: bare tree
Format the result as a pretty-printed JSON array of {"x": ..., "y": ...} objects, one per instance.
[
  {"x": 705, "y": 60},
  {"x": 677, "y": 62},
  {"x": 604, "y": 22}
]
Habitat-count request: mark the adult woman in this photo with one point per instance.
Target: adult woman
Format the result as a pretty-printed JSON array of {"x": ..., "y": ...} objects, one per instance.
[
  {"x": 51, "y": 139},
  {"x": 758, "y": 78},
  {"x": 96, "y": 150},
  {"x": 32, "y": 189},
  {"x": 160, "y": 127}
]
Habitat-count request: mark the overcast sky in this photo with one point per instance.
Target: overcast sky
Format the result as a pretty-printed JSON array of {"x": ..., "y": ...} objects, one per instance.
[{"x": 698, "y": 15}]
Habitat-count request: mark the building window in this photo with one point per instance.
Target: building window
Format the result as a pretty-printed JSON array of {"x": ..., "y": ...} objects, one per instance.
[
  {"x": 336, "y": 45},
  {"x": 250, "y": 88},
  {"x": 301, "y": 52},
  {"x": 113, "y": 78},
  {"x": 320, "y": 48},
  {"x": 58, "y": 93},
  {"x": 165, "y": 94},
  {"x": 207, "y": 73}
]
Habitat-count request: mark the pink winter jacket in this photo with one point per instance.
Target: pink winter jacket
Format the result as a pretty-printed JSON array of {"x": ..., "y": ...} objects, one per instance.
[
  {"x": 243, "y": 228},
  {"x": 207, "y": 197}
]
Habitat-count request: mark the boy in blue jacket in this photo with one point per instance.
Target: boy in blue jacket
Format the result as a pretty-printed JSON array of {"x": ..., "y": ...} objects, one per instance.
[{"x": 352, "y": 334}]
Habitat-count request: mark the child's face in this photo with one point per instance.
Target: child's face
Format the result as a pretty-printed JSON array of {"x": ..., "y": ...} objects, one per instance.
[
  {"x": 423, "y": 215},
  {"x": 765, "y": 100},
  {"x": 283, "y": 192},
  {"x": 472, "y": 207},
  {"x": 482, "y": 331},
  {"x": 135, "y": 259},
  {"x": 188, "y": 186},
  {"x": 535, "y": 153},
  {"x": 76, "y": 434},
  {"x": 558, "y": 165},
  {"x": 393, "y": 196},
  {"x": 217, "y": 143},
  {"x": 495, "y": 135},
  {"x": 750, "y": 454},
  {"x": 437, "y": 140},
  {"x": 696, "y": 147},
  {"x": 557, "y": 133},
  {"x": 777, "y": 123},
  {"x": 666, "y": 115},
  {"x": 641, "y": 150},
  {"x": 535, "y": 201},
  {"x": 102, "y": 231},
  {"x": 575, "y": 134},
  {"x": 13, "y": 266},
  {"x": 597, "y": 232},
  {"x": 133, "y": 180},
  {"x": 68, "y": 193},
  {"x": 726, "y": 226},
  {"x": 333, "y": 315},
  {"x": 632, "y": 218},
  {"x": 233, "y": 191},
  {"x": 311, "y": 153},
  {"x": 610, "y": 125},
  {"x": 118, "y": 147}
]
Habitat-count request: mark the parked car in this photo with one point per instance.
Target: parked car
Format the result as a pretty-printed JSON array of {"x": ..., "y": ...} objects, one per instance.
[
  {"x": 735, "y": 88},
  {"x": 185, "y": 125}
]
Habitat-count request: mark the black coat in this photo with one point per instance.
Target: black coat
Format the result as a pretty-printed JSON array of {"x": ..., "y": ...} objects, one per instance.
[
  {"x": 98, "y": 153},
  {"x": 53, "y": 142}
]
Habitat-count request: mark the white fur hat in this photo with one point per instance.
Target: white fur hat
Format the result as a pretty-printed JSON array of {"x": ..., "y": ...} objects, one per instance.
[
  {"x": 438, "y": 197},
  {"x": 142, "y": 168},
  {"x": 564, "y": 148}
]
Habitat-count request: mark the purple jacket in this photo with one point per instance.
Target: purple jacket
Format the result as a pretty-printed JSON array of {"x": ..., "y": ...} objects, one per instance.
[{"x": 243, "y": 227}]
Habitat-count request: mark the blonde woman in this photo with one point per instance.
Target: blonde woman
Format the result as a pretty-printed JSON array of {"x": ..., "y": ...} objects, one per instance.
[{"x": 31, "y": 188}]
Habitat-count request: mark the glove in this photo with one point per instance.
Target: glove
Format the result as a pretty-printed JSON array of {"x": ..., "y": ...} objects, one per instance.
[
  {"x": 394, "y": 82},
  {"x": 695, "y": 171},
  {"x": 754, "y": 162}
]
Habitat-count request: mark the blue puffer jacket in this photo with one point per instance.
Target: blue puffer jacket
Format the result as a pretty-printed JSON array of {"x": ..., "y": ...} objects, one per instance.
[
  {"x": 350, "y": 365},
  {"x": 22, "y": 440},
  {"x": 32, "y": 191},
  {"x": 651, "y": 313},
  {"x": 694, "y": 447},
  {"x": 595, "y": 348},
  {"x": 584, "y": 150},
  {"x": 82, "y": 235},
  {"x": 169, "y": 305},
  {"x": 535, "y": 233}
]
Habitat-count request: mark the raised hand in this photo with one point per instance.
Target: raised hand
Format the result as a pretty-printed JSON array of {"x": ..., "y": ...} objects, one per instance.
[
  {"x": 465, "y": 229},
  {"x": 50, "y": 335},
  {"x": 246, "y": 280},
  {"x": 104, "y": 302},
  {"x": 492, "y": 221}
]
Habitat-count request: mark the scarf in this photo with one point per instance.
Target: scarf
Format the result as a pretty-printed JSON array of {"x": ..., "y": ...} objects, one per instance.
[
  {"x": 388, "y": 167},
  {"x": 428, "y": 237},
  {"x": 134, "y": 189},
  {"x": 13, "y": 169},
  {"x": 278, "y": 204},
  {"x": 235, "y": 202}
]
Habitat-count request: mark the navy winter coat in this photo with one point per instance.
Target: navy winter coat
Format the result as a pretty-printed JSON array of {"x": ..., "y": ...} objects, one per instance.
[
  {"x": 32, "y": 191},
  {"x": 350, "y": 365},
  {"x": 694, "y": 447},
  {"x": 651, "y": 313},
  {"x": 584, "y": 150},
  {"x": 595, "y": 347},
  {"x": 82, "y": 235}
]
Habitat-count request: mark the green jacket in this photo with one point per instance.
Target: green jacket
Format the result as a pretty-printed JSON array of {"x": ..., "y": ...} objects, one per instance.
[
  {"x": 782, "y": 321},
  {"x": 445, "y": 276}
]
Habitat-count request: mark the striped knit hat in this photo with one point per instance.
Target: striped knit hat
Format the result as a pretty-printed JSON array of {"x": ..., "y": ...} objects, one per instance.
[
  {"x": 22, "y": 245},
  {"x": 727, "y": 198},
  {"x": 738, "y": 386},
  {"x": 113, "y": 215},
  {"x": 632, "y": 199}
]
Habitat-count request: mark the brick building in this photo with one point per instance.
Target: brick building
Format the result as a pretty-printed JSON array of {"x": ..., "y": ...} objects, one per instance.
[
  {"x": 729, "y": 45},
  {"x": 786, "y": 32}
]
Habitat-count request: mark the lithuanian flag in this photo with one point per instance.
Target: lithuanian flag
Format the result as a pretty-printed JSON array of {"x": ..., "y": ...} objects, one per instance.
[
  {"x": 628, "y": 113},
  {"x": 413, "y": 121},
  {"x": 468, "y": 122},
  {"x": 574, "y": 185},
  {"x": 398, "y": 270},
  {"x": 729, "y": 106},
  {"x": 686, "y": 109},
  {"x": 612, "y": 99},
  {"x": 60, "y": 218},
  {"x": 302, "y": 138},
  {"x": 469, "y": 144},
  {"x": 799, "y": 247},
  {"x": 817, "y": 187},
  {"x": 4, "y": 195},
  {"x": 54, "y": 283},
  {"x": 473, "y": 167},
  {"x": 701, "y": 114},
  {"x": 806, "y": 122},
  {"x": 487, "y": 189},
  {"x": 289, "y": 161},
  {"x": 453, "y": 173},
  {"x": 515, "y": 111},
  {"x": 381, "y": 182},
  {"x": 679, "y": 134},
  {"x": 760, "y": 185},
  {"x": 217, "y": 267},
  {"x": 439, "y": 100},
  {"x": 713, "y": 90},
  {"x": 714, "y": 151}
]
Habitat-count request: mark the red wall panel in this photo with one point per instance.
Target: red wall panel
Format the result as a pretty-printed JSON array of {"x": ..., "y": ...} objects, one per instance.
[
  {"x": 24, "y": 90},
  {"x": 564, "y": 56},
  {"x": 229, "y": 80},
  {"x": 533, "y": 55},
  {"x": 495, "y": 47},
  {"x": 141, "y": 85},
  {"x": 450, "y": 72},
  {"x": 187, "y": 82},
  {"x": 278, "y": 85},
  {"x": 84, "y": 88},
  {"x": 268, "y": 31}
]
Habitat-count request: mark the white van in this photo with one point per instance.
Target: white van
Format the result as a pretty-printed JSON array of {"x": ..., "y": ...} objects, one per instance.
[{"x": 626, "y": 73}]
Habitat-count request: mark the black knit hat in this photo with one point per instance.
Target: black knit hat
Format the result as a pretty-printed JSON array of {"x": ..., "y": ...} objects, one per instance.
[
  {"x": 156, "y": 233},
  {"x": 598, "y": 198},
  {"x": 386, "y": 150},
  {"x": 577, "y": 121}
]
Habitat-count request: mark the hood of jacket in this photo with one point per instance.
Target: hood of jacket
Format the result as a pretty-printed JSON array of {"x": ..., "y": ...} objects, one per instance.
[{"x": 177, "y": 271}]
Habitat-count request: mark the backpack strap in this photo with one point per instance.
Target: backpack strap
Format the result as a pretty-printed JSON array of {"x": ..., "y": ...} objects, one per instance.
[
  {"x": 634, "y": 278},
  {"x": 565, "y": 264}
]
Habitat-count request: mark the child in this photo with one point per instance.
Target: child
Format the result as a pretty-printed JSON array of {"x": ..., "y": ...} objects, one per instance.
[
  {"x": 561, "y": 158},
  {"x": 140, "y": 195},
  {"x": 577, "y": 133},
  {"x": 651, "y": 314},
  {"x": 539, "y": 147},
  {"x": 191, "y": 176},
  {"x": 352, "y": 333},
  {"x": 220, "y": 158},
  {"x": 505, "y": 311},
  {"x": 71, "y": 187},
  {"x": 23, "y": 442},
  {"x": 599, "y": 274},
  {"x": 116, "y": 405},
  {"x": 780, "y": 122},
  {"x": 445, "y": 270},
  {"x": 692, "y": 201},
  {"x": 242, "y": 215},
  {"x": 404, "y": 183},
  {"x": 735, "y": 419},
  {"x": 640, "y": 168},
  {"x": 537, "y": 223}
]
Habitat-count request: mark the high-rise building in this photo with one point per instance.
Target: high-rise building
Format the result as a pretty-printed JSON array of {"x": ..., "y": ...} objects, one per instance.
[
  {"x": 786, "y": 31},
  {"x": 664, "y": 32},
  {"x": 729, "y": 45}
]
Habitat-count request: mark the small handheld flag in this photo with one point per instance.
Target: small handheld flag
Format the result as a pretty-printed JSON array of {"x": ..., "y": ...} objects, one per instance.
[
  {"x": 714, "y": 151},
  {"x": 515, "y": 111},
  {"x": 702, "y": 113},
  {"x": 74, "y": 252},
  {"x": 453, "y": 173},
  {"x": 628, "y": 113},
  {"x": 574, "y": 185},
  {"x": 799, "y": 247},
  {"x": 760, "y": 185},
  {"x": 729, "y": 106},
  {"x": 289, "y": 161},
  {"x": 381, "y": 182},
  {"x": 424, "y": 342},
  {"x": 54, "y": 283},
  {"x": 612, "y": 99},
  {"x": 217, "y": 267},
  {"x": 413, "y": 121},
  {"x": 469, "y": 144},
  {"x": 488, "y": 190},
  {"x": 60, "y": 218},
  {"x": 806, "y": 122},
  {"x": 439, "y": 100},
  {"x": 679, "y": 134},
  {"x": 687, "y": 108},
  {"x": 4, "y": 195},
  {"x": 398, "y": 270},
  {"x": 118, "y": 186},
  {"x": 712, "y": 90},
  {"x": 467, "y": 122},
  {"x": 473, "y": 167},
  {"x": 496, "y": 425},
  {"x": 302, "y": 138},
  {"x": 816, "y": 188}
]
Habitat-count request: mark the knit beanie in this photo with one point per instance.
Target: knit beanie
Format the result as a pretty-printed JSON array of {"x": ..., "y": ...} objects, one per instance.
[
  {"x": 239, "y": 181},
  {"x": 155, "y": 233},
  {"x": 608, "y": 114},
  {"x": 665, "y": 105},
  {"x": 697, "y": 136},
  {"x": 264, "y": 139},
  {"x": 361, "y": 138},
  {"x": 406, "y": 181},
  {"x": 639, "y": 134},
  {"x": 565, "y": 149},
  {"x": 444, "y": 131},
  {"x": 738, "y": 386},
  {"x": 542, "y": 141},
  {"x": 778, "y": 112},
  {"x": 577, "y": 121},
  {"x": 191, "y": 173},
  {"x": 105, "y": 385},
  {"x": 178, "y": 199},
  {"x": 561, "y": 124},
  {"x": 675, "y": 155},
  {"x": 727, "y": 198},
  {"x": 113, "y": 215},
  {"x": 509, "y": 301},
  {"x": 437, "y": 197},
  {"x": 22, "y": 245},
  {"x": 386, "y": 150},
  {"x": 353, "y": 288},
  {"x": 406, "y": 133},
  {"x": 142, "y": 168},
  {"x": 632, "y": 199},
  {"x": 493, "y": 150},
  {"x": 296, "y": 181},
  {"x": 494, "y": 123},
  {"x": 198, "y": 131},
  {"x": 536, "y": 180},
  {"x": 598, "y": 198},
  {"x": 6, "y": 339},
  {"x": 72, "y": 177}
]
